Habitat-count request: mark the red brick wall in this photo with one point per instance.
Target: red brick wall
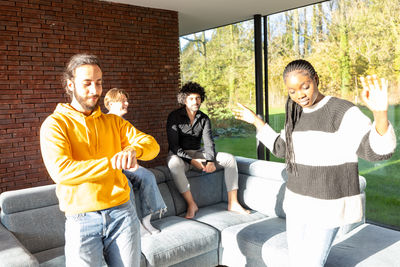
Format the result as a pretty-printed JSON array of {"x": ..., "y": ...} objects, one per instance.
[{"x": 139, "y": 51}]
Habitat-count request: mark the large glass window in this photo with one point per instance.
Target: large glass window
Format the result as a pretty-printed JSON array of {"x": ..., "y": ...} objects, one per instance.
[
  {"x": 343, "y": 39},
  {"x": 222, "y": 61}
]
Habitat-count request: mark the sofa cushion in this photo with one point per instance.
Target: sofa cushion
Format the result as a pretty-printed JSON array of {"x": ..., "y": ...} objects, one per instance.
[
  {"x": 166, "y": 195},
  {"x": 27, "y": 199},
  {"x": 207, "y": 259},
  {"x": 51, "y": 257},
  {"x": 219, "y": 217},
  {"x": 180, "y": 239},
  {"x": 159, "y": 174},
  {"x": 263, "y": 194},
  {"x": 56, "y": 257},
  {"x": 262, "y": 168},
  {"x": 12, "y": 253},
  {"x": 259, "y": 243},
  {"x": 367, "y": 246},
  {"x": 206, "y": 189},
  {"x": 38, "y": 229},
  {"x": 165, "y": 171}
]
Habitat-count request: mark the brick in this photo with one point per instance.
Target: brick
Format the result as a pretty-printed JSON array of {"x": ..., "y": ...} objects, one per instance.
[
  {"x": 31, "y": 20},
  {"x": 15, "y": 179},
  {"x": 49, "y": 33},
  {"x": 26, "y": 5},
  {"x": 32, "y": 12},
  {"x": 30, "y": 34},
  {"x": 12, "y": 150}
]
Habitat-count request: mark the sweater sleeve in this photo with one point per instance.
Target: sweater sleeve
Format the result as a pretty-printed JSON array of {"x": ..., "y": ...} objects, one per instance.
[
  {"x": 274, "y": 141},
  {"x": 57, "y": 157},
  {"x": 375, "y": 147},
  {"x": 145, "y": 145},
  {"x": 359, "y": 133},
  {"x": 173, "y": 138},
  {"x": 209, "y": 146}
]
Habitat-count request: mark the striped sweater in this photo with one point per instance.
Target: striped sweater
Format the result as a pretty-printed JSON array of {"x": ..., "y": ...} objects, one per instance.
[{"x": 328, "y": 139}]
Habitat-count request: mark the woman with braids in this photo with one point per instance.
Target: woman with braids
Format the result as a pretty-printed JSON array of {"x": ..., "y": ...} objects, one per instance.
[{"x": 321, "y": 142}]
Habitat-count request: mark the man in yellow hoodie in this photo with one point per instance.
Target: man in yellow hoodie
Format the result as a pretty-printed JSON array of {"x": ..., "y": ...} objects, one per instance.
[{"x": 85, "y": 152}]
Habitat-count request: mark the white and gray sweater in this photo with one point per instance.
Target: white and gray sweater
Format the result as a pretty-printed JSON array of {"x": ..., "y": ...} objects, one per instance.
[{"x": 327, "y": 141}]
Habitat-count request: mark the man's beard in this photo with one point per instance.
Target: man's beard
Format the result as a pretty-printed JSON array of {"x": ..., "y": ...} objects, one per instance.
[
  {"x": 194, "y": 108},
  {"x": 82, "y": 101}
]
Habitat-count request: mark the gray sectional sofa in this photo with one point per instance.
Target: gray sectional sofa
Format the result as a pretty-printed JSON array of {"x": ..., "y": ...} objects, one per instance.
[{"x": 32, "y": 226}]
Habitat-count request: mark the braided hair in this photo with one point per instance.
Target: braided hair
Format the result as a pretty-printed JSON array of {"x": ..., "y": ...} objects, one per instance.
[{"x": 294, "y": 110}]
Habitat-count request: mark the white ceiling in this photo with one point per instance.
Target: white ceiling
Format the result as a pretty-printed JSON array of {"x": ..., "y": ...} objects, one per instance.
[{"x": 198, "y": 15}]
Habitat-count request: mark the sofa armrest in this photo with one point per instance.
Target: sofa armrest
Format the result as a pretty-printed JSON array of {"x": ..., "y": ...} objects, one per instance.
[{"x": 12, "y": 253}]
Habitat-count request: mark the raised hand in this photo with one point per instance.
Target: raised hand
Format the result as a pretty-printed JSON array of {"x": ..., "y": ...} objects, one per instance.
[
  {"x": 244, "y": 114},
  {"x": 375, "y": 95}
]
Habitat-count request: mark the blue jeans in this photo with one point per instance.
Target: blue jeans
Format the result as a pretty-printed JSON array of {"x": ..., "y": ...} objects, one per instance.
[
  {"x": 309, "y": 245},
  {"x": 144, "y": 181},
  {"x": 111, "y": 236}
]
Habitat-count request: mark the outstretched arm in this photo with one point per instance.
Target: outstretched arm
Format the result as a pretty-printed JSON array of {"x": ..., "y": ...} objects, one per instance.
[
  {"x": 265, "y": 133},
  {"x": 245, "y": 114},
  {"x": 379, "y": 143},
  {"x": 375, "y": 96}
]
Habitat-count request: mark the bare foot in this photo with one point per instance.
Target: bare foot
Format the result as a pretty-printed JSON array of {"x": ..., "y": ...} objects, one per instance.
[
  {"x": 191, "y": 211},
  {"x": 236, "y": 207}
]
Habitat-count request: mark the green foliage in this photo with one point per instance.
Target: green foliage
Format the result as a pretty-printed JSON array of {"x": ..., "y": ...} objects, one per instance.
[
  {"x": 343, "y": 39},
  {"x": 223, "y": 65}
]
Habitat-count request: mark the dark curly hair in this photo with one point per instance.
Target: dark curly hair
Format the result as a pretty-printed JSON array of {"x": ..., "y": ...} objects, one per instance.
[{"x": 190, "y": 88}]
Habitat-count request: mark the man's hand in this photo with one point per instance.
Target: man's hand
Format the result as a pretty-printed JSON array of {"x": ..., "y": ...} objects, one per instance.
[
  {"x": 198, "y": 164},
  {"x": 125, "y": 160},
  {"x": 210, "y": 167}
]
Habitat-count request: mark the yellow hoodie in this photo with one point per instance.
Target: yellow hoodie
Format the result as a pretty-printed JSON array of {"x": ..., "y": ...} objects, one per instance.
[{"x": 76, "y": 151}]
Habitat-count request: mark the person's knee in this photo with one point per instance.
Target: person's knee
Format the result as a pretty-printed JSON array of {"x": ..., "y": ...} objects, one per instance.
[
  {"x": 149, "y": 178},
  {"x": 226, "y": 159},
  {"x": 175, "y": 162}
]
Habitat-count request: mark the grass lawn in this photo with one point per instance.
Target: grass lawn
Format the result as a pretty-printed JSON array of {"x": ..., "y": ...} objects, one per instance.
[{"x": 383, "y": 178}]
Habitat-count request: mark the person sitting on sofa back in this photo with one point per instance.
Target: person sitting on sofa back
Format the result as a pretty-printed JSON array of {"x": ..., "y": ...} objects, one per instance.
[
  {"x": 116, "y": 101},
  {"x": 186, "y": 128}
]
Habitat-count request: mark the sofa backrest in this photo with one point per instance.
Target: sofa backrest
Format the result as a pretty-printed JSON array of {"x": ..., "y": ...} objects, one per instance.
[
  {"x": 34, "y": 217},
  {"x": 262, "y": 185},
  {"x": 207, "y": 189},
  {"x": 161, "y": 180}
]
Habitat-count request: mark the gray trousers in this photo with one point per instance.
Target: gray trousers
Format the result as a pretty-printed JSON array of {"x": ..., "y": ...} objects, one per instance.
[{"x": 178, "y": 167}]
